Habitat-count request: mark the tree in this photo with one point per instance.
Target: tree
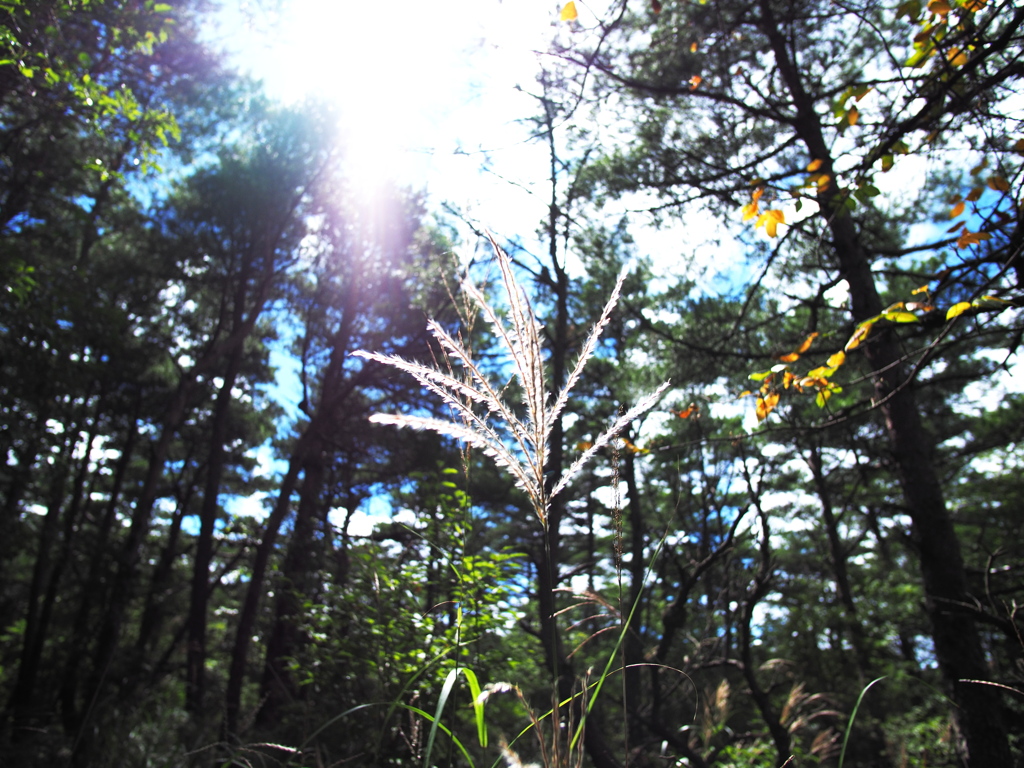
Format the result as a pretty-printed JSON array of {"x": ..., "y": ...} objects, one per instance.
[{"x": 723, "y": 93}]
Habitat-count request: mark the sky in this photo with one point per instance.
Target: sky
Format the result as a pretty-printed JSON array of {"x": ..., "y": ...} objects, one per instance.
[{"x": 428, "y": 91}]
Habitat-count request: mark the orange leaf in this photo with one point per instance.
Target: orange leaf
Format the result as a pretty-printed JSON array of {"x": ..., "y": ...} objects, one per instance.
[
  {"x": 998, "y": 183},
  {"x": 584, "y": 446},
  {"x": 957, "y": 209},
  {"x": 971, "y": 238},
  {"x": 695, "y": 81},
  {"x": 816, "y": 164},
  {"x": 837, "y": 359},
  {"x": 693, "y": 47},
  {"x": 569, "y": 12},
  {"x": 766, "y": 405},
  {"x": 939, "y": 7},
  {"x": 807, "y": 342},
  {"x": 974, "y": 195},
  {"x": 792, "y": 357},
  {"x": 1018, "y": 146},
  {"x": 859, "y": 335},
  {"x": 956, "y": 57},
  {"x": 852, "y": 116},
  {"x": 632, "y": 447},
  {"x": 689, "y": 411}
]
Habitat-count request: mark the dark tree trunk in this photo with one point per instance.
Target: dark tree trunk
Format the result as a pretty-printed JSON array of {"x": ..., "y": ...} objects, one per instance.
[
  {"x": 278, "y": 687},
  {"x": 195, "y": 665},
  {"x": 977, "y": 715},
  {"x": 251, "y": 606}
]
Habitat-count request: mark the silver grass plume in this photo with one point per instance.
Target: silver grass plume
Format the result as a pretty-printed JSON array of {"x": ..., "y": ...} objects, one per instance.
[{"x": 518, "y": 445}]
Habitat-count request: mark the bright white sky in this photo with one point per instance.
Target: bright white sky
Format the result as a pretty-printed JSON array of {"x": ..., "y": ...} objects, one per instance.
[{"x": 429, "y": 88}]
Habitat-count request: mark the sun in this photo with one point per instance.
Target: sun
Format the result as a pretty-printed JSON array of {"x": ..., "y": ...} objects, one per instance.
[
  {"x": 394, "y": 70},
  {"x": 411, "y": 80}
]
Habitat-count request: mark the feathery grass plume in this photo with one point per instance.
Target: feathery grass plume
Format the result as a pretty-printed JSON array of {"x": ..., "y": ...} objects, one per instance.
[{"x": 482, "y": 418}]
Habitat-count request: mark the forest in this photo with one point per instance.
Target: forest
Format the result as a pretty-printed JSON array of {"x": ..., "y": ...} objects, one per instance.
[{"x": 716, "y": 466}]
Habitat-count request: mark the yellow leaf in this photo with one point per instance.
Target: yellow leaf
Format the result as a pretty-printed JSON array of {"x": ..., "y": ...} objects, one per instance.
[
  {"x": 816, "y": 164},
  {"x": 569, "y": 12},
  {"x": 852, "y": 116},
  {"x": 787, "y": 379},
  {"x": 744, "y": 393},
  {"x": 837, "y": 359},
  {"x": 922, "y": 289},
  {"x": 859, "y": 335},
  {"x": 957, "y": 209},
  {"x": 901, "y": 317},
  {"x": 957, "y": 309},
  {"x": 974, "y": 5},
  {"x": 770, "y": 220},
  {"x": 693, "y": 47}
]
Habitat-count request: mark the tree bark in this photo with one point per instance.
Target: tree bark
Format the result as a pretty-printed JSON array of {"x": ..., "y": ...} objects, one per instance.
[
  {"x": 250, "y": 608},
  {"x": 981, "y": 738}
]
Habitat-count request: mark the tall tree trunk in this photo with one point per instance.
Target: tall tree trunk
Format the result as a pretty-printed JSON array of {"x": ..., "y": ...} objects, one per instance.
[
  {"x": 38, "y": 612},
  {"x": 278, "y": 686},
  {"x": 195, "y": 665},
  {"x": 250, "y": 607},
  {"x": 977, "y": 716}
]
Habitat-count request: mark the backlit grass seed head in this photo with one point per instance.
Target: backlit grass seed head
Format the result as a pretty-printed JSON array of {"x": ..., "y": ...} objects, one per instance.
[{"x": 480, "y": 415}]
